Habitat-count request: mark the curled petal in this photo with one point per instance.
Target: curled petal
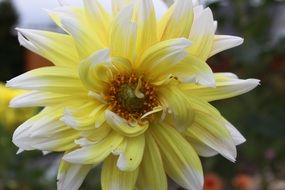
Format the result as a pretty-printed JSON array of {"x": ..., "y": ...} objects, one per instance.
[
  {"x": 124, "y": 127},
  {"x": 94, "y": 71}
]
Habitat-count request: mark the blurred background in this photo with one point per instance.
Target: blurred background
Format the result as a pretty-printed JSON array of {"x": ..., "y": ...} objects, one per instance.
[{"x": 259, "y": 115}]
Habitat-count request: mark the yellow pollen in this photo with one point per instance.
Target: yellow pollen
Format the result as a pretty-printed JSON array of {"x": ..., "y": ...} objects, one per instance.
[{"x": 130, "y": 96}]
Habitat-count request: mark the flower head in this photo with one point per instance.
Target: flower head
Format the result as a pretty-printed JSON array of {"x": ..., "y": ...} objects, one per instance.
[{"x": 131, "y": 91}]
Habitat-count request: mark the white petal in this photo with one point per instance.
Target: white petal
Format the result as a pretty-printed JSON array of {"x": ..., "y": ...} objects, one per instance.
[
  {"x": 45, "y": 132},
  {"x": 236, "y": 135},
  {"x": 71, "y": 176},
  {"x": 94, "y": 154},
  {"x": 38, "y": 99},
  {"x": 53, "y": 79},
  {"x": 223, "y": 42},
  {"x": 56, "y": 47},
  {"x": 227, "y": 86},
  {"x": 201, "y": 148}
]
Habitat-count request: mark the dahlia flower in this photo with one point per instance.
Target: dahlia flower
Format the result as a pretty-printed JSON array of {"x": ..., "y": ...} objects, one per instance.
[{"x": 130, "y": 91}]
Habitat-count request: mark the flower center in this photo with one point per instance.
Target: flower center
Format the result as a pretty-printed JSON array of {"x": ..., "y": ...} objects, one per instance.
[{"x": 131, "y": 97}]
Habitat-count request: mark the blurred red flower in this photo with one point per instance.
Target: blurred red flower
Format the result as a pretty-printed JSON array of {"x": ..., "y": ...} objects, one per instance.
[
  {"x": 243, "y": 182},
  {"x": 213, "y": 182}
]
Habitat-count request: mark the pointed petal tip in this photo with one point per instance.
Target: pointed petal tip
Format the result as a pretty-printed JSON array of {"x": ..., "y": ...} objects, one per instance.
[
  {"x": 9, "y": 83},
  {"x": 68, "y": 158},
  {"x": 19, "y": 151},
  {"x": 252, "y": 83}
]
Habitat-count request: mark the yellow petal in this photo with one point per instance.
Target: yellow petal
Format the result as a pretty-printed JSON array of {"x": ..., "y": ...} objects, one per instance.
[
  {"x": 113, "y": 178},
  {"x": 123, "y": 127},
  {"x": 97, "y": 134},
  {"x": 177, "y": 21},
  {"x": 180, "y": 108},
  {"x": 95, "y": 153},
  {"x": 146, "y": 20},
  {"x": 71, "y": 176},
  {"x": 181, "y": 162},
  {"x": 211, "y": 131},
  {"x": 162, "y": 56},
  {"x": 99, "y": 19},
  {"x": 41, "y": 99},
  {"x": 227, "y": 86},
  {"x": 74, "y": 21},
  {"x": 189, "y": 70},
  {"x": 118, "y": 5},
  {"x": 124, "y": 34},
  {"x": 151, "y": 174},
  {"x": 52, "y": 79},
  {"x": 57, "y": 48},
  {"x": 202, "y": 35},
  {"x": 130, "y": 158},
  {"x": 44, "y": 132},
  {"x": 83, "y": 118},
  {"x": 121, "y": 65}
]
